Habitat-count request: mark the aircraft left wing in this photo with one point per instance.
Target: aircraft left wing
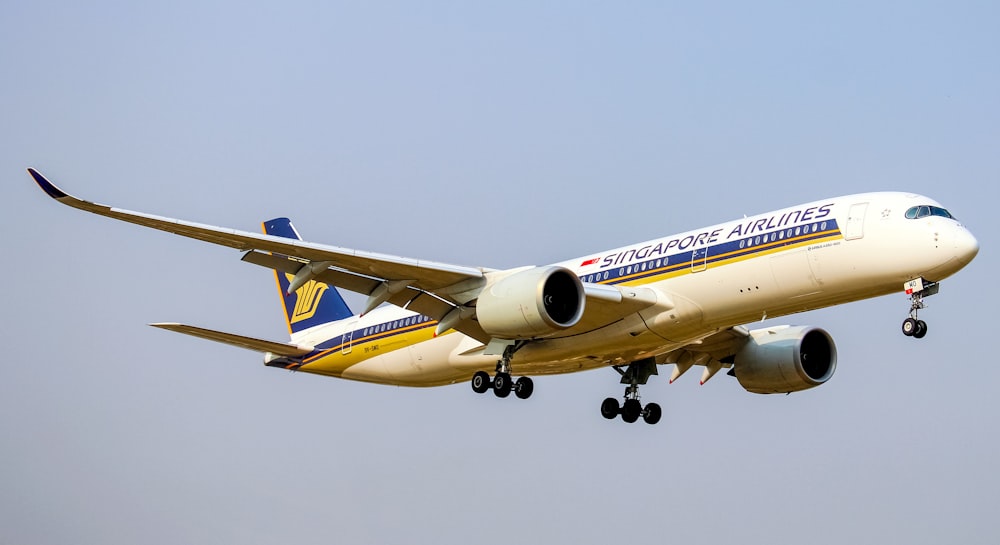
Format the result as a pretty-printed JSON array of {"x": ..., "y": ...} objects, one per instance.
[{"x": 714, "y": 352}]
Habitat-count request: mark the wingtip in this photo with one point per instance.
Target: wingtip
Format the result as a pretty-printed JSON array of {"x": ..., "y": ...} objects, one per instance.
[{"x": 47, "y": 186}]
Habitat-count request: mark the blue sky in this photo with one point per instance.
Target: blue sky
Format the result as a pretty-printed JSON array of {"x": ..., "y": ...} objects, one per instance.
[{"x": 491, "y": 135}]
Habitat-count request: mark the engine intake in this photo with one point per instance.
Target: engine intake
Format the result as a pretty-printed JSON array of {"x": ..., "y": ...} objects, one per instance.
[
  {"x": 531, "y": 303},
  {"x": 786, "y": 359}
]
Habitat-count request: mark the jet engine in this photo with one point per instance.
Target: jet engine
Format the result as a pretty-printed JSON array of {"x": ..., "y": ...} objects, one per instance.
[
  {"x": 785, "y": 359},
  {"x": 531, "y": 303}
]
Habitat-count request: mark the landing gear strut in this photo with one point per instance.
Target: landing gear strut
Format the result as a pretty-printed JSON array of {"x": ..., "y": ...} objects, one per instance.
[
  {"x": 502, "y": 384},
  {"x": 917, "y": 289},
  {"x": 638, "y": 372}
]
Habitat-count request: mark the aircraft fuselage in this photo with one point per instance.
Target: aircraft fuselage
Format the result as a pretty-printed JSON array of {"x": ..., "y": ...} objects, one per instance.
[{"x": 792, "y": 260}]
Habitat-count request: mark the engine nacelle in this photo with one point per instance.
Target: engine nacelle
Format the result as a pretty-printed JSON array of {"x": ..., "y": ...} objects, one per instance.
[
  {"x": 531, "y": 303},
  {"x": 785, "y": 359}
]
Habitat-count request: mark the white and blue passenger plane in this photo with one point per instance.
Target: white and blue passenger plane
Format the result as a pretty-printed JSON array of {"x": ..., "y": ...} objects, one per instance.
[{"x": 679, "y": 300}]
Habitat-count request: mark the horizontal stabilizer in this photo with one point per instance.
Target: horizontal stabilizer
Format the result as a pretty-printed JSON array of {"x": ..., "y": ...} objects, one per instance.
[{"x": 250, "y": 343}]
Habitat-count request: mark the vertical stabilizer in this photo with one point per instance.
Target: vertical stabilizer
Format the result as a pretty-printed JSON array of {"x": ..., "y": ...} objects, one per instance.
[{"x": 314, "y": 303}]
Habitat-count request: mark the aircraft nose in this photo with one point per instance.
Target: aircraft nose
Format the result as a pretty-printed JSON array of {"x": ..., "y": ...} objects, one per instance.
[{"x": 966, "y": 245}]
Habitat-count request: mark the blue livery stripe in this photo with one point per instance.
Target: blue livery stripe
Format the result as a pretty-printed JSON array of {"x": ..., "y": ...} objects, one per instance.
[{"x": 719, "y": 254}]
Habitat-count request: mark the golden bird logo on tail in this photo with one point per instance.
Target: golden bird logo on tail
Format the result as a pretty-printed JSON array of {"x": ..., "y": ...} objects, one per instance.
[{"x": 307, "y": 299}]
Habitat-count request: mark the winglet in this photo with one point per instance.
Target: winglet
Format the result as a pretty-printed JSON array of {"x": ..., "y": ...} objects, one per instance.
[{"x": 47, "y": 186}]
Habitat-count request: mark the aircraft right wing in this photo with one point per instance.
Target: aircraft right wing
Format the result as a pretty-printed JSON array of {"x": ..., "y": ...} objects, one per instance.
[
  {"x": 439, "y": 290},
  {"x": 427, "y": 275},
  {"x": 431, "y": 288}
]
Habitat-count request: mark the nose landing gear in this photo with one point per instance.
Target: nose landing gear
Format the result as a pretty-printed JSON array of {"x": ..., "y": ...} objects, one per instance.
[
  {"x": 917, "y": 289},
  {"x": 912, "y": 327},
  {"x": 637, "y": 373}
]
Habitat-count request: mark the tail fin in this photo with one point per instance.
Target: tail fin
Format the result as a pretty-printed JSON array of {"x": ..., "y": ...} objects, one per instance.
[{"x": 314, "y": 303}]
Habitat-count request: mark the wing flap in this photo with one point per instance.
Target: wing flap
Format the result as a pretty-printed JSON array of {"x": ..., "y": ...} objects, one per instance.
[
  {"x": 332, "y": 277},
  {"x": 410, "y": 299},
  {"x": 719, "y": 346},
  {"x": 250, "y": 343},
  {"x": 713, "y": 352}
]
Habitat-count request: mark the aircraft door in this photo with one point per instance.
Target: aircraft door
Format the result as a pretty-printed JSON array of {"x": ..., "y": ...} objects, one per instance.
[
  {"x": 855, "y": 227},
  {"x": 348, "y": 343},
  {"x": 699, "y": 259}
]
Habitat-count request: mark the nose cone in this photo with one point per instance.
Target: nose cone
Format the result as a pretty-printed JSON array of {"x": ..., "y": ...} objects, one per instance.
[{"x": 966, "y": 246}]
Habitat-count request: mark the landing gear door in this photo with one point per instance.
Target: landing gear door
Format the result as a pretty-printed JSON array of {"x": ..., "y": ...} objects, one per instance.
[{"x": 855, "y": 227}]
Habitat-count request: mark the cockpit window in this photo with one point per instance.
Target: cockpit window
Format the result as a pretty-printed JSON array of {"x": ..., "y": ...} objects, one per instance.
[{"x": 923, "y": 211}]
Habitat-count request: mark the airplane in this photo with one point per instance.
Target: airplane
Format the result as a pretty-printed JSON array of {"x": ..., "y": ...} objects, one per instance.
[{"x": 681, "y": 300}]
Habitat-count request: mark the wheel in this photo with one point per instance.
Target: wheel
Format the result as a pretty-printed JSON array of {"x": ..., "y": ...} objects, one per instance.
[
  {"x": 523, "y": 387},
  {"x": 610, "y": 408},
  {"x": 652, "y": 413},
  {"x": 921, "y": 330},
  {"x": 909, "y": 327},
  {"x": 631, "y": 410},
  {"x": 480, "y": 382},
  {"x": 502, "y": 385}
]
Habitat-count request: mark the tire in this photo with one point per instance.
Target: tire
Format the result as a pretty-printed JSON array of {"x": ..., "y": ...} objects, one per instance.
[
  {"x": 502, "y": 385},
  {"x": 631, "y": 410},
  {"x": 610, "y": 408},
  {"x": 652, "y": 414},
  {"x": 921, "y": 330},
  {"x": 523, "y": 387},
  {"x": 909, "y": 327},
  {"x": 480, "y": 382}
]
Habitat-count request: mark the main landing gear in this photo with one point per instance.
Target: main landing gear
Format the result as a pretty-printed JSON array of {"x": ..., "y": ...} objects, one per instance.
[
  {"x": 502, "y": 384},
  {"x": 638, "y": 372},
  {"x": 917, "y": 289}
]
